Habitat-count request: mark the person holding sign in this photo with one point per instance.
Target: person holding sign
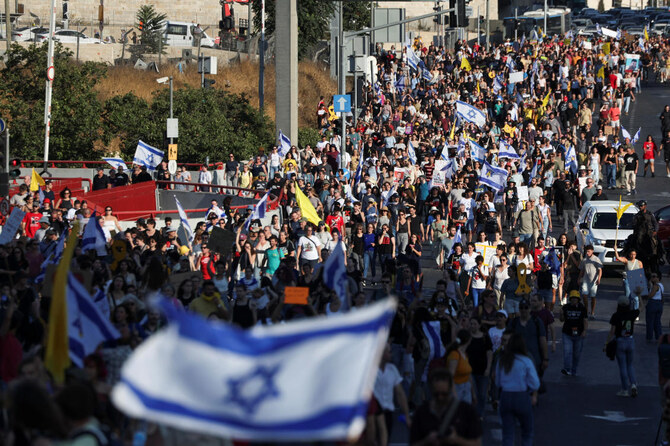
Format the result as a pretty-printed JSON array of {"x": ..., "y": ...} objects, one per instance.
[{"x": 631, "y": 263}]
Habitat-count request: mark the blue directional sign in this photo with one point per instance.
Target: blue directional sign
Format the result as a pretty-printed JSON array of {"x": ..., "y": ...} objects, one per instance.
[
  {"x": 342, "y": 103},
  {"x": 3, "y": 126}
]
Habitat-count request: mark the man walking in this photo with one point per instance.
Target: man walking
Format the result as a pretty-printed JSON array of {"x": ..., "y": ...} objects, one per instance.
[
  {"x": 590, "y": 273},
  {"x": 631, "y": 162},
  {"x": 526, "y": 222},
  {"x": 575, "y": 323}
]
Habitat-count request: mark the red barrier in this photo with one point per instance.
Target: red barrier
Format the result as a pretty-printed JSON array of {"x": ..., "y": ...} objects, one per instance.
[
  {"x": 126, "y": 198},
  {"x": 91, "y": 164}
]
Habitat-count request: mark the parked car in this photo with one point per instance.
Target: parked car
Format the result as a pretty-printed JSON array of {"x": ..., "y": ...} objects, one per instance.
[
  {"x": 581, "y": 23},
  {"x": 185, "y": 34},
  {"x": 27, "y": 34},
  {"x": 596, "y": 226},
  {"x": 69, "y": 36},
  {"x": 663, "y": 218}
]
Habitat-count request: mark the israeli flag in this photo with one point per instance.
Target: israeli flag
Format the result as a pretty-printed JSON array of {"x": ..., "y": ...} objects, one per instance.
[
  {"x": 533, "y": 171},
  {"x": 494, "y": 177},
  {"x": 259, "y": 210},
  {"x": 94, "y": 238},
  {"x": 427, "y": 75},
  {"x": 411, "y": 153},
  {"x": 624, "y": 133},
  {"x": 100, "y": 301},
  {"x": 284, "y": 144},
  {"x": 450, "y": 169},
  {"x": 400, "y": 83},
  {"x": 571, "y": 159},
  {"x": 445, "y": 151},
  {"x": 477, "y": 151},
  {"x": 116, "y": 163},
  {"x": 263, "y": 384},
  {"x": 87, "y": 326},
  {"x": 507, "y": 151},
  {"x": 412, "y": 59},
  {"x": 386, "y": 196},
  {"x": 335, "y": 273},
  {"x": 636, "y": 137},
  {"x": 431, "y": 330},
  {"x": 147, "y": 156},
  {"x": 471, "y": 113},
  {"x": 497, "y": 84},
  {"x": 184, "y": 219},
  {"x": 53, "y": 258}
]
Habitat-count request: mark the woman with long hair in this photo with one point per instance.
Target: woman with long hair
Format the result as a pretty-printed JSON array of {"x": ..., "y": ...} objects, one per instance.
[
  {"x": 622, "y": 325},
  {"x": 459, "y": 366},
  {"x": 518, "y": 382},
  {"x": 649, "y": 148}
]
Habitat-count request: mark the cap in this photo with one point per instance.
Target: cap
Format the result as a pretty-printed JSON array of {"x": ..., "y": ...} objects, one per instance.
[
  {"x": 44, "y": 220},
  {"x": 434, "y": 209},
  {"x": 515, "y": 234},
  {"x": 582, "y": 167},
  {"x": 641, "y": 203},
  {"x": 172, "y": 230},
  {"x": 575, "y": 294},
  {"x": 503, "y": 312},
  {"x": 623, "y": 301},
  {"x": 46, "y": 200},
  {"x": 599, "y": 187},
  {"x": 262, "y": 174}
]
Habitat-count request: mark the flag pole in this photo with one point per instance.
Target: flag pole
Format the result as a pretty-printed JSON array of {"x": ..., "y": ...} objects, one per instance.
[{"x": 49, "y": 84}]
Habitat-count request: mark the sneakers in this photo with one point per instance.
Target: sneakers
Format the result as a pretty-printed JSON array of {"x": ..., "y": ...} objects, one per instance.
[
  {"x": 623, "y": 393},
  {"x": 633, "y": 390},
  {"x": 565, "y": 372},
  {"x": 652, "y": 175}
]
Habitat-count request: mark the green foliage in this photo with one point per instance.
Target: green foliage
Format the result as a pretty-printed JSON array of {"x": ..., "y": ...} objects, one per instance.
[
  {"x": 357, "y": 15},
  {"x": 211, "y": 123},
  {"x": 313, "y": 20},
  {"x": 75, "y": 109},
  {"x": 308, "y": 135},
  {"x": 151, "y": 35}
]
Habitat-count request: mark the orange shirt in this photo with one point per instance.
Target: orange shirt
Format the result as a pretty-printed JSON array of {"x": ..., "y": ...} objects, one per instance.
[{"x": 463, "y": 369}]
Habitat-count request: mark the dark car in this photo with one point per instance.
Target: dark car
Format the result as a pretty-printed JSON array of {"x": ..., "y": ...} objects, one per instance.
[{"x": 663, "y": 218}]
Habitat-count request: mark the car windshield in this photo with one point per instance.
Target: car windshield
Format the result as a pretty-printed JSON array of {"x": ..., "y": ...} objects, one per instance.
[{"x": 607, "y": 220}]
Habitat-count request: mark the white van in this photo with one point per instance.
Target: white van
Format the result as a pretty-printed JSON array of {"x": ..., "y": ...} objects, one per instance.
[{"x": 182, "y": 34}]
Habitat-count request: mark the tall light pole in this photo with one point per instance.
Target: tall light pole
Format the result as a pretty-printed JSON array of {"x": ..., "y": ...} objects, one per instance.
[
  {"x": 8, "y": 25},
  {"x": 544, "y": 31},
  {"x": 49, "y": 83},
  {"x": 261, "y": 65}
]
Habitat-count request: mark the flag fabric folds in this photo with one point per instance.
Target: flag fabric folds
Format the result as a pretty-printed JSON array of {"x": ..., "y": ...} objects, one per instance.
[
  {"x": 272, "y": 383},
  {"x": 53, "y": 258},
  {"x": 625, "y": 133},
  {"x": 147, "y": 156},
  {"x": 431, "y": 330},
  {"x": 636, "y": 137},
  {"x": 411, "y": 153},
  {"x": 571, "y": 160},
  {"x": 335, "y": 273},
  {"x": 94, "y": 238},
  {"x": 477, "y": 151},
  {"x": 184, "y": 219},
  {"x": 36, "y": 181},
  {"x": 471, "y": 113},
  {"x": 87, "y": 325},
  {"x": 306, "y": 208},
  {"x": 116, "y": 163},
  {"x": 284, "y": 144},
  {"x": 507, "y": 151},
  {"x": 493, "y": 177},
  {"x": 465, "y": 64},
  {"x": 57, "y": 357},
  {"x": 259, "y": 210}
]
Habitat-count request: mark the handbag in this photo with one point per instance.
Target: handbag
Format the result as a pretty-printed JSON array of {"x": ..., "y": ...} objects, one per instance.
[{"x": 610, "y": 349}]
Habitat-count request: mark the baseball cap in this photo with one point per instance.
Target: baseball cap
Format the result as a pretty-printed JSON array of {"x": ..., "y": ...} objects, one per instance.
[
  {"x": 503, "y": 312},
  {"x": 574, "y": 293},
  {"x": 44, "y": 220},
  {"x": 599, "y": 187}
]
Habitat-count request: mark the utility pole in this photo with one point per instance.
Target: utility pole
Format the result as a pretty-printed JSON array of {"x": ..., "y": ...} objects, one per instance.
[
  {"x": 49, "y": 83},
  {"x": 488, "y": 31},
  {"x": 343, "y": 80},
  {"x": 261, "y": 64},
  {"x": 479, "y": 22},
  {"x": 8, "y": 25},
  {"x": 171, "y": 91},
  {"x": 516, "y": 23},
  {"x": 544, "y": 31}
]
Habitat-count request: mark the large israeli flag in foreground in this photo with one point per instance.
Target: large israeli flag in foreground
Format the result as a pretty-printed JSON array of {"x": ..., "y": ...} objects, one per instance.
[
  {"x": 305, "y": 380},
  {"x": 148, "y": 156},
  {"x": 471, "y": 113}
]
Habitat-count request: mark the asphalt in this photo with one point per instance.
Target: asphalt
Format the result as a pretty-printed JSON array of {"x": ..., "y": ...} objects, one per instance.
[{"x": 584, "y": 410}]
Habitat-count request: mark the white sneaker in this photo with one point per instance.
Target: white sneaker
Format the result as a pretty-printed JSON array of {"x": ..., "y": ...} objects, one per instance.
[
  {"x": 623, "y": 393},
  {"x": 669, "y": 175}
]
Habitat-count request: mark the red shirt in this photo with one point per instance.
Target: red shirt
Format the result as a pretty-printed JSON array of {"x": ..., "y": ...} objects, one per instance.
[
  {"x": 335, "y": 222},
  {"x": 207, "y": 267},
  {"x": 32, "y": 221},
  {"x": 649, "y": 149}
]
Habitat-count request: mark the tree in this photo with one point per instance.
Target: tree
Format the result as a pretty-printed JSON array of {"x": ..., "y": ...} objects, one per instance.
[
  {"x": 313, "y": 20},
  {"x": 357, "y": 15},
  {"x": 75, "y": 109},
  {"x": 150, "y": 23}
]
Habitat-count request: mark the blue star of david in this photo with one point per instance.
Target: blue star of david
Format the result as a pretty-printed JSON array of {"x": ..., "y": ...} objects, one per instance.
[
  {"x": 251, "y": 390},
  {"x": 77, "y": 323},
  {"x": 472, "y": 114},
  {"x": 150, "y": 159}
]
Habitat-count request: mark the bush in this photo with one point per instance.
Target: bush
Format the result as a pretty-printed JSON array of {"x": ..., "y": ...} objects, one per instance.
[{"x": 308, "y": 135}]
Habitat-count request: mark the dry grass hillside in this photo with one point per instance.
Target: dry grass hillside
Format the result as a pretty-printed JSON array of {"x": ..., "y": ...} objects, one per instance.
[{"x": 240, "y": 79}]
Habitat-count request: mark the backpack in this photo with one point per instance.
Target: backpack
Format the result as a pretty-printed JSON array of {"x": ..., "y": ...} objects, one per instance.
[{"x": 664, "y": 356}]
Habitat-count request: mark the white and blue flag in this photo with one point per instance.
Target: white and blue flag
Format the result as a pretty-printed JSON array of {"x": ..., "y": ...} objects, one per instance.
[
  {"x": 147, "y": 156},
  {"x": 53, "y": 258},
  {"x": 94, "y": 238},
  {"x": 494, "y": 177},
  {"x": 431, "y": 330},
  {"x": 116, "y": 163},
  {"x": 412, "y": 59},
  {"x": 507, "y": 151},
  {"x": 625, "y": 133},
  {"x": 571, "y": 159},
  {"x": 259, "y": 210},
  {"x": 497, "y": 84},
  {"x": 284, "y": 144},
  {"x": 184, "y": 219},
  {"x": 411, "y": 153},
  {"x": 263, "y": 384},
  {"x": 87, "y": 326},
  {"x": 471, "y": 113},
  {"x": 477, "y": 151},
  {"x": 335, "y": 272},
  {"x": 636, "y": 137},
  {"x": 386, "y": 196}
]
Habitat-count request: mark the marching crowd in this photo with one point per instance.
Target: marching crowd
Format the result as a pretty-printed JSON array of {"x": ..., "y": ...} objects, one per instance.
[{"x": 450, "y": 164}]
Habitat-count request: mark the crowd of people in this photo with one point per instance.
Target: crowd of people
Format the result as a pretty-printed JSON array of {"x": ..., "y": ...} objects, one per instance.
[{"x": 406, "y": 190}]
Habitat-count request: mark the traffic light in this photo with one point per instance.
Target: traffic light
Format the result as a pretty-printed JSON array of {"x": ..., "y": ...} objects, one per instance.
[
  {"x": 209, "y": 83},
  {"x": 140, "y": 26},
  {"x": 66, "y": 16},
  {"x": 438, "y": 18},
  {"x": 463, "y": 20},
  {"x": 14, "y": 168}
]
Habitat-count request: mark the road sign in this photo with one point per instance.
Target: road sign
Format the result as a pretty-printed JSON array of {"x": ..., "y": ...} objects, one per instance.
[
  {"x": 470, "y": 12},
  {"x": 172, "y": 152},
  {"x": 50, "y": 73},
  {"x": 173, "y": 128},
  {"x": 172, "y": 167},
  {"x": 342, "y": 103},
  {"x": 3, "y": 126},
  {"x": 4, "y": 207}
]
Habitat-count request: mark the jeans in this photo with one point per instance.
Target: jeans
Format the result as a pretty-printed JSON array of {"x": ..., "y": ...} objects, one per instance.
[
  {"x": 625, "y": 353},
  {"x": 572, "y": 350},
  {"x": 568, "y": 214},
  {"x": 481, "y": 390},
  {"x": 629, "y": 180},
  {"x": 610, "y": 175},
  {"x": 526, "y": 238},
  {"x": 382, "y": 260},
  {"x": 369, "y": 264},
  {"x": 272, "y": 171},
  {"x": 626, "y": 103},
  {"x": 475, "y": 295},
  {"x": 516, "y": 406},
  {"x": 402, "y": 239},
  {"x": 464, "y": 392},
  {"x": 653, "y": 319}
]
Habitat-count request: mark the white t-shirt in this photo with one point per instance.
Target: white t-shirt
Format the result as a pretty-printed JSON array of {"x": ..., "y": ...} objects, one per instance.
[
  {"x": 309, "y": 245},
  {"x": 500, "y": 277},
  {"x": 385, "y": 384},
  {"x": 468, "y": 261},
  {"x": 478, "y": 280},
  {"x": 495, "y": 334}
]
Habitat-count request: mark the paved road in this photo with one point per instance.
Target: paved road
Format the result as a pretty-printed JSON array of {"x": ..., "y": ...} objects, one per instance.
[{"x": 584, "y": 410}]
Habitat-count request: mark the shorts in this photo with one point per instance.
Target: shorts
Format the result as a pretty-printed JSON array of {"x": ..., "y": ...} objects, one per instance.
[
  {"x": 546, "y": 295},
  {"x": 649, "y": 161},
  {"x": 554, "y": 281},
  {"x": 511, "y": 306},
  {"x": 616, "y": 123},
  {"x": 588, "y": 290},
  {"x": 470, "y": 225}
]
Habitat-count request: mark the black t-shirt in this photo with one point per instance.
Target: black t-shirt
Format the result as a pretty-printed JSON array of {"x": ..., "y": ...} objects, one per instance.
[
  {"x": 121, "y": 179},
  {"x": 574, "y": 316},
  {"x": 466, "y": 423},
  {"x": 231, "y": 166},
  {"x": 100, "y": 182},
  {"x": 624, "y": 322},
  {"x": 477, "y": 354},
  {"x": 631, "y": 160}
]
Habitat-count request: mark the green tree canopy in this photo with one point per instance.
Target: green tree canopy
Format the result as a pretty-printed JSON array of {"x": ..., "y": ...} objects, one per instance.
[{"x": 151, "y": 29}]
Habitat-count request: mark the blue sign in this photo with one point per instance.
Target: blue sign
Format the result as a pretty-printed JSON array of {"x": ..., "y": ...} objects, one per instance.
[
  {"x": 342, "y": 103},
  {"x": 3, "y": 126}
]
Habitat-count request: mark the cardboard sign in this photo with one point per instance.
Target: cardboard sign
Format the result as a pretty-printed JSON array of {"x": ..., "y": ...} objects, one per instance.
[
  {"x": 296, "y": 295},
  {"x": 439, "y": 173},
  {"x": 221, "y": 241},
  {"x": 636, "y": 278},
  {"x": 487, "y": 251},
  {"x": 516, "y": 77},
  {"x": 398, "y": 174},
  {"x": 177, "y": 278},
  {"x": 587, "y": 45},
  {"x": 11, "y": 226}
]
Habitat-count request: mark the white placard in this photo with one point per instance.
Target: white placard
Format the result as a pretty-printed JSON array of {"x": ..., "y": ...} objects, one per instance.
[
  {"x": 522, "y": 193},
  {"x": 11, "y": 226},
  {"x": 516, "y": 77},
  {"x": 587, "y": 45},
  {"x": 485, "y": 250},
  {"x": 636, "y": 278},
  {"x": 439, "y": 173}
]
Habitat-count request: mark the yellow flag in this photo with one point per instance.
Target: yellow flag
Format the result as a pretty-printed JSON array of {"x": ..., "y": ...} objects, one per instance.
[
  {"x": 545, "y": 101},
  {"x": 606, "y": 48},
  {"x": 57, "y": 357},
  {"x": 465, "y": 65},
  {"x": 478, "y": 91},
  {"x": 453, "y": 130},
  {"x": 620, "y": 210},
  {"x": 646, "y": 34},
  {"x": 601, "y": 72},
  {"x": 36, "y": 181},
  {"x": 541, "y": 33},
  {"x": 306, "y": 207}
]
